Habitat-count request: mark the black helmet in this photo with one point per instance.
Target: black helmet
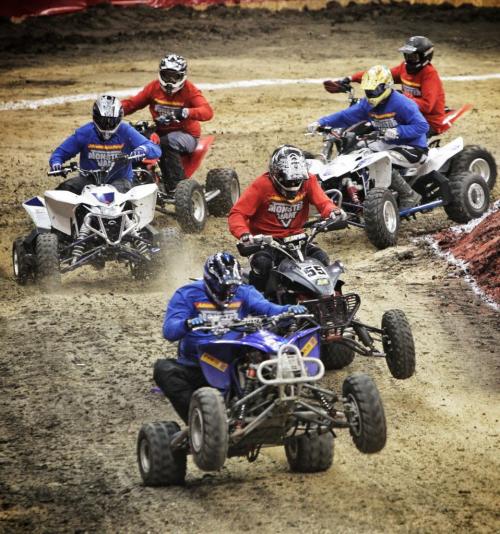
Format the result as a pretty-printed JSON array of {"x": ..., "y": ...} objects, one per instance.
[
  {"x": 418, "y": 52},
  {"x": 107, "y": 115},
  {"x": 288, "y": 170},
  {"x": 172, "y": 73},
  {"x": 222, "y": 276}
]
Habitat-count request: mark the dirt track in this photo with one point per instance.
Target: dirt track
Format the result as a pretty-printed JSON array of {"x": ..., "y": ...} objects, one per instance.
[{"x": 75, "y": 368}]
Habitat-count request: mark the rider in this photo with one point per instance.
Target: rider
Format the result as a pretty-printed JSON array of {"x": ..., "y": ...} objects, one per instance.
[
  {"x": 277, "y": 204},
  {"x": 219, "y": 297},
  {"x": 396, "y": 117},
  {"x": 419, "y": 81},
  {"x": 100, "y": 142},
  {"x": 176, "y": 106}
]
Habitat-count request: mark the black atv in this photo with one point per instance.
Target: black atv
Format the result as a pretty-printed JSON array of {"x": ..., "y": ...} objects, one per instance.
[{"x": 295, "y": 278}]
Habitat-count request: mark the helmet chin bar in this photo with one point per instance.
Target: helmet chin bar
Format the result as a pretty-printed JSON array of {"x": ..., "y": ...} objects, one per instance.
[{"x": 105, "y": 134}]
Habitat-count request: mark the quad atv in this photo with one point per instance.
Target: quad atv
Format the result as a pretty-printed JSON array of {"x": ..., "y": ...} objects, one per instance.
[
  {"x": 262, "y": 391},
  {"x": 473, "y": 158},
  {"x": 295, "y": 278},
  {"x": 192, "y": 202},
  {"x": 99, "y": 225},
  {"x": 363, "y": 175}
]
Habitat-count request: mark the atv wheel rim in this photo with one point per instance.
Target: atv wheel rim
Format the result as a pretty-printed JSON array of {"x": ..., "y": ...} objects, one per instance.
[
  {"x": 390, "y": 217},
  {"x": 144, "y": 456},
  {"x": 480, "y": 166},
  {"x": 476, "y": 197},
  {"x": 354, "y": 418},
  {"x": 196, "y": 430},
  {"x": 15, "y": 263},
  {"x": 198, "y": 206},
  {"x": 235, "y": 191}
]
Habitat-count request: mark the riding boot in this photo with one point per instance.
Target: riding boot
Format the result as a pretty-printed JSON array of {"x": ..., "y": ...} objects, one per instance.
[
  {"x": 408, "y": 198},
  {"x": 171, "y": 167}
]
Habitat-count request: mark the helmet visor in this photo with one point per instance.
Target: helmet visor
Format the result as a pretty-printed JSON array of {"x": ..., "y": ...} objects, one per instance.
[
  {"x": 412, "y": 58},
  {"x": 374, "y": 93},
  {"x": 171, "y": 76},
  {"x": 107, "y": 124}
]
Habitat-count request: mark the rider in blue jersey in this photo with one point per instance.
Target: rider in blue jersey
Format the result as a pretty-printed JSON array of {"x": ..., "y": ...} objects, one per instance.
[
  {"x": 101, "y": 141},
  {"x": 220, "y": 296},
  {"x": 397, "y": 117}
]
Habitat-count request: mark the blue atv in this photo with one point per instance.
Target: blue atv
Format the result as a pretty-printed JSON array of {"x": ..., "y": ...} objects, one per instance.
[{"x": 263, "y": 392}]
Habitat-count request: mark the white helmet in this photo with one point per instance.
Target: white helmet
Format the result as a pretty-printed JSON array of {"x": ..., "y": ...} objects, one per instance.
[
  {"x": 107, "y": 114},
  {"x": 288, "y": 170},
  {"x": 172, "y": 73}
]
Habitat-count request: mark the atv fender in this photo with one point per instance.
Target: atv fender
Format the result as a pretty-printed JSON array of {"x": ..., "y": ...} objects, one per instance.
[
  {"x": 38, "y": 212},
  {"x": 437, "y": 157}
]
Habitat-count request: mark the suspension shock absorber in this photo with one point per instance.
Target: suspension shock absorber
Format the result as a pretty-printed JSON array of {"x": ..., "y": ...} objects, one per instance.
[
  {"x": 325, "y": 404},
  {"x": 82, "y": 234},
  {"x": 139, "y": 244},
  {"x": 250, "y": 374},
  {"x": 352, "y": 191}
]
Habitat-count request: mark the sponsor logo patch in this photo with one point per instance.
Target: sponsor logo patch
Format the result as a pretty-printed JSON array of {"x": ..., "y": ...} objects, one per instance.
[{"x": 214, "y": 362}]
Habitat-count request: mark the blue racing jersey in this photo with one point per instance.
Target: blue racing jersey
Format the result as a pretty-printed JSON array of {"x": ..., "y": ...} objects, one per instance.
[
  {"x": 192, "y": 300},
  {"x": 96, "y": 153},
  {"x": 397, "y": 111}
]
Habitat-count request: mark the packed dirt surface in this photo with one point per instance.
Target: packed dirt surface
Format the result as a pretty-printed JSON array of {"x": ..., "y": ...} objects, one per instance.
[{"x": 76, "y": 365}]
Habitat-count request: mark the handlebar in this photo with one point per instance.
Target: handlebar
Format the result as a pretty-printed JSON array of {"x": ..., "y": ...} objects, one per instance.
[
  {"x": 250, "y": 323},
  {"x": 74, "y": 167}
]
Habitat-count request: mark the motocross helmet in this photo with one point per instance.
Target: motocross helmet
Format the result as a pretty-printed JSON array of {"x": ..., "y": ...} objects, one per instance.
[
  {"x": 172, "y": 73},
  {"x": 107, "y": 115},
  {"x": 377, "y": 84},
  {"x": 418, "y": 52},
  {"x": 222, "y": 277},
  {"x": 288, "y": 170}
]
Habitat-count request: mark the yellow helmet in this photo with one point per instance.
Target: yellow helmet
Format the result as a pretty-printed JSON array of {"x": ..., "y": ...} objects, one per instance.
[{"x": 377, "y": 84}]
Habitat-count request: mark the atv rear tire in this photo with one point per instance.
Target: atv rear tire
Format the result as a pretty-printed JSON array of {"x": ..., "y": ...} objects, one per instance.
[
  {"x": 190, "y": 206},
  {"x": 381, "y": 215},
  {"x": 47, "y": 260},
  {"x": 159, "y": 465},
  {"x": 226, "y": 181},
  {"x": 476, "y": 160},
  {"x": 20, "y": 265},
  {"x": 336, "y": 355},
  {"x": 366, "y": 416},
  {"x": 399, "y": 346},
  {"x": 310, "y": 453},
  {"x": 470, "y": 197},
  {"x": 208, "y": 431}
]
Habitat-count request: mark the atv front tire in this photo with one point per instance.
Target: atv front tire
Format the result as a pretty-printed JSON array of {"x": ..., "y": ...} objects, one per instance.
[
  {"x": 20, "y": 265},
  {"x": 476, "y": 160},
  {"x": 365, "y": 413},
  {"x": 398, "y": 343},
  {"x": 47, "y": 260},
  {"x": 336, "y": 356},
  {"x": 208, "y": 430},
  {"x": 381, "y": 216},
  {"x": 226, "y": 181},
  {"x": 470, "y": 197},
  {"x": 190, "y": 206},
  {"x": 159, "y": 465},
  {"x": 310, "y": 453}
]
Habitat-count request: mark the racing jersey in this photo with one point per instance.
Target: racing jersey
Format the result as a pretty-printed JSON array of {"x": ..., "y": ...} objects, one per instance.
[
  {"x": 96, "y": 153},
  {"x": 262, "y": 210},
  {"x": 397, "y": 111},
  {"x": 192, "y": 300},
  {"x": 424, "y": 88},
  {"x": 160, "y": 104}
]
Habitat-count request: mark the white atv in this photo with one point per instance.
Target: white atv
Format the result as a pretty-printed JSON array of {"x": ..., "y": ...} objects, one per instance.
[
  {"x": 99, "y": 225},
  {"x": 363, "y": 175}
]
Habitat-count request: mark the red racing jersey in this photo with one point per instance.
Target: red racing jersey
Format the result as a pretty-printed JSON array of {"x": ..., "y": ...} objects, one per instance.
[
  {"x": 160, "y": 103},
  {"x": 424, "y": 88},
  {"x": 262, "y": 210}
]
